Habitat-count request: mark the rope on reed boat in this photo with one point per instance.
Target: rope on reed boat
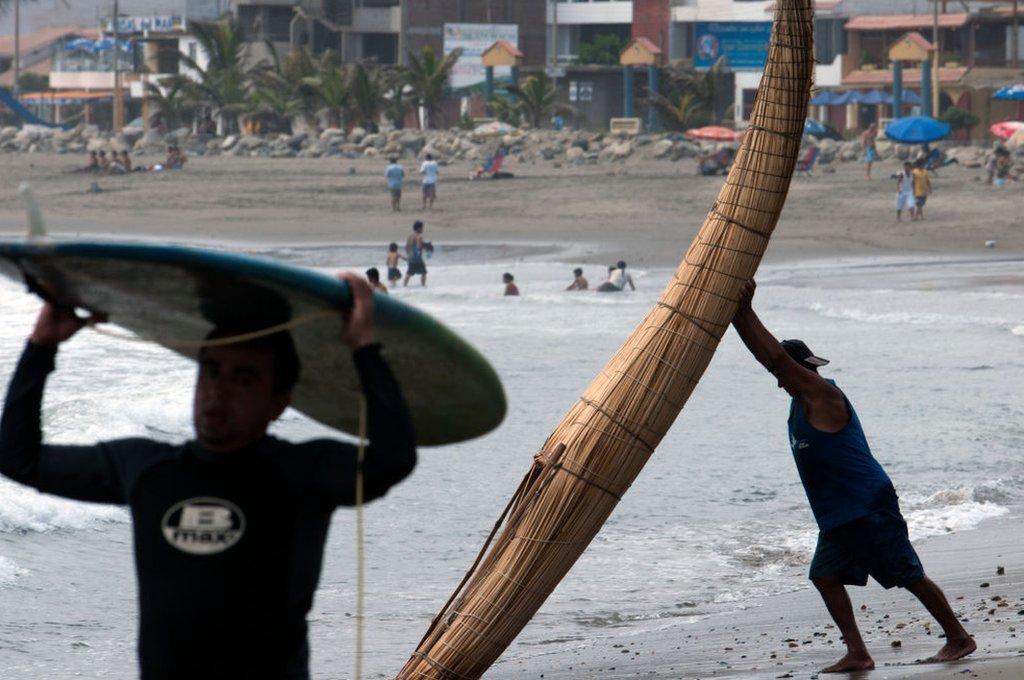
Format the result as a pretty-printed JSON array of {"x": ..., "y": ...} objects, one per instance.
[{"x": 610, "y": 432}]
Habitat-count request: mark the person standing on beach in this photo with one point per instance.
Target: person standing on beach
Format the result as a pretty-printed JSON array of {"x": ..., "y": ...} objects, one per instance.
[
  {"x": 395, "y": 175},
  {"x": 578, "y": 282},
  {"x": 905, "y": 191},
  {"x": 867, "y": 142},
  {"x": 414, "y": 248},
  {"x": 429, "y": 171},
  {"x": 922, "y": 187},
  {"x": 228, "y": 528},
  {"x": 861, "y": 530}
]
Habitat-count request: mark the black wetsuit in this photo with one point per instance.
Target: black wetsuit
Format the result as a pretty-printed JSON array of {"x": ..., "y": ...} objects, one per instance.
[{"x": 228, "y": 547}]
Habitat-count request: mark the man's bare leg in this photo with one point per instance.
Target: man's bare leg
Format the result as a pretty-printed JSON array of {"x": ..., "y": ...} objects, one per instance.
[
  {"x": 833, "y": 592},
  {"x": 958, "y": 643}
]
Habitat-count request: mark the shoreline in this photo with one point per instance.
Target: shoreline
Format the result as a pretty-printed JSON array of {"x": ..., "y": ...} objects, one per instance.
[{"x": 791, "y": 634}]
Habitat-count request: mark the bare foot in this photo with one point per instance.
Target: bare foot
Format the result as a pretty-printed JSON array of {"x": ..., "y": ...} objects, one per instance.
[
  {"x": 953, "y": 650},
  {"x": 851, "y": 662}
]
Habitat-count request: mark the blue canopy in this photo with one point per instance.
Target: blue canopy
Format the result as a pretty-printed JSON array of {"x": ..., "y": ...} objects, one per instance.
[
  {"x": 823, "y": 98},
  {"x": 912, "y": 98},
  {"x": 848, "y": 97},
  {"x": 97, "y": 46},
  {"x": 1011, "y": 92},
  {"x": 916, "y": 130},
  {"x": 876, "y": 97}
]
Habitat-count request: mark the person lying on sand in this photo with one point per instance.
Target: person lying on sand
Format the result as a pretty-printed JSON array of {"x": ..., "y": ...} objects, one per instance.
[
  {"x": 861, "y": 530},
  {"x": 94, "y": 163}
]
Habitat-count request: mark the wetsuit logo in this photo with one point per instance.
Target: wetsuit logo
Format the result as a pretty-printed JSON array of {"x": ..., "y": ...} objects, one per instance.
[{"x": 203, "y": 526}]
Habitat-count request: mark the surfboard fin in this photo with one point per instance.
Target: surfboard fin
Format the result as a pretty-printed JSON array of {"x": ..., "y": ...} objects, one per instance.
[{"x": 36, "y": 228}]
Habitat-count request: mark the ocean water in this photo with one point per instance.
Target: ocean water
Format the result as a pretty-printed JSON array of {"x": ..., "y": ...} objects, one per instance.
[{"x": 930, "y": 351}]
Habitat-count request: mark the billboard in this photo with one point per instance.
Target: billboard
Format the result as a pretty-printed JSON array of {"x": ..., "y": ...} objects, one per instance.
[
  {"x": 474, "y": 39},
  {"x": 744, "y": 44}
]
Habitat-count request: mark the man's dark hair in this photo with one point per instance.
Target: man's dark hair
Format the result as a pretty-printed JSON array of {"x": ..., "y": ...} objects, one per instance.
[
  {"x": 392, "y": 246},
  {"x": 507, "y": 277},
  {"x": 430, "y": 156},
  {"x": 373, "y": 275},
  {"x": 577, "y": 271},
  {"x": 417, "y": 226},
  {"x": 286, "y": 364},
  {"x": 621, "y": 264}
]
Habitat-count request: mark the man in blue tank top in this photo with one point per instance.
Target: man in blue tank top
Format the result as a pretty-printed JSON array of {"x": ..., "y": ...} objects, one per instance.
[{"x": 861, "y": 530}]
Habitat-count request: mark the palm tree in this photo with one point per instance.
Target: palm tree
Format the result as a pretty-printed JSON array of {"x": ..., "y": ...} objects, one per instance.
[
  {"x": 330, "y": 86},
  {"x": 169, "y": 101},
  {"x": 223, "y": 82},
  {"x": 681, "y": 111},
  {"x": 278, "y": 90},
  {"x": 536, "y": 99},
  {"x": 396, "y": 97},
  {"x": 427, "y": 75},
  {"x": 505, "y": 110},
  {"x": 366, "y": 87},
  {"x": 693, "y": 91}
]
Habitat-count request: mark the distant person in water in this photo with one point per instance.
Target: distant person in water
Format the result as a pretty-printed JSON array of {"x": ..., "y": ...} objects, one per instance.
[
  {"x": 510, "y": 284},
  {"x": 415, "y": 248},
  {"x": 373, "y": 276},
  {"x": 578, "y": 282},
  {"x": 861, "y": 530},
  {"x": 391, "y": 260},
  {"x": 617, "y": 281},
  {"x": 395, "y": 175}
]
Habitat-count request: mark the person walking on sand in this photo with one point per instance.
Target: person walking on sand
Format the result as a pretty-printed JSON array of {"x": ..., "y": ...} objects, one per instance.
[
  {"x": 510, "y": 284},
  {"x": 861, "y": 530},
  {"x": 905, "y": 191},
  {"x": 922, "y": 188},
  {"x": 414, "y": 248},
  {"x": 867, "y": 142},
  {"x": 391, "y": 260},
  {"x": 578, "y": 282},
  {"x": 395, "y": 175},
  {"x": 617, "y": 280},
  {"x": 429, "y": 171}
]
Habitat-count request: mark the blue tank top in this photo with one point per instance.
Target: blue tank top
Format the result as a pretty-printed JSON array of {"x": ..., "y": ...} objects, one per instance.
[{"x": 843, "y": 481}]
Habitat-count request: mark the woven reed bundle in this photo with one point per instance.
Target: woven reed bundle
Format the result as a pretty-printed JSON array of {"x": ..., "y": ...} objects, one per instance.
[{"x": 606, "y": 438}]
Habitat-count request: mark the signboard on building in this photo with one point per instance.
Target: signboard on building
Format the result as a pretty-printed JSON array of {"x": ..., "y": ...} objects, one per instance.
[
  {"x": 744, "y": 44},
  {"x": 204, "y": 10},
  {"x": 474, "y": 39},
  {"x": 159, "y": 24}
]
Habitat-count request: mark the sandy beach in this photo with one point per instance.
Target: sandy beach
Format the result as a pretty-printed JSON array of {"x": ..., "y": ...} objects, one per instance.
[{"x": 645, "y": 212}]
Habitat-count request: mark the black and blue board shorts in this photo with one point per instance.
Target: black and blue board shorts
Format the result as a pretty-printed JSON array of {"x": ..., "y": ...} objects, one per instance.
[{"x": 877, "y": 545}]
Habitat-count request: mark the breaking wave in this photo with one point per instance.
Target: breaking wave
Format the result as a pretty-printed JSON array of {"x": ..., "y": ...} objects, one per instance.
[{"x": 26, "y": 510}]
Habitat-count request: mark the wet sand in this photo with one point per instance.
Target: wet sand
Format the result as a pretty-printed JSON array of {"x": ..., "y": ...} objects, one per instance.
[
  {"x": 791, "y": 636},
  {"x": 643, "y": 211}
]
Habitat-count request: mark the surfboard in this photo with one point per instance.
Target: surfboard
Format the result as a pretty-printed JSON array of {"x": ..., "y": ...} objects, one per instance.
[{"x": 173, "y": 294}]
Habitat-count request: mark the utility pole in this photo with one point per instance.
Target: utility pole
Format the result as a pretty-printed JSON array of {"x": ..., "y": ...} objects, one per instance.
[
  {"x": 554, "y": 32},
  {"x": 17, "y": 47},
  {"x": 937, "y": 59},
  {"x": 118, "y": 116}
]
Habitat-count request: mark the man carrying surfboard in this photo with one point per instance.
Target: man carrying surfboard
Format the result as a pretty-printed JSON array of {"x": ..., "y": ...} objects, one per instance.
[
  {"x": 861, "y": 530},
  {"x": 229, "y": 528}
]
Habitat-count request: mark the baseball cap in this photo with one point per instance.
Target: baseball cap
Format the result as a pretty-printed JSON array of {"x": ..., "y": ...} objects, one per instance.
[{"x": 802, "y": 354}]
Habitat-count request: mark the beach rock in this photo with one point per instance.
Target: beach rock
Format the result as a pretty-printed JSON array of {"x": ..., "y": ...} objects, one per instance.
[
  {"x": 249, "y": 143},
  {"x": 8, "y": 133},
  {"x": 849, "y": 151},
  {"x": 618, "y": 150},
  {"x": 332, "y": 133},
  {"x": 96, "y": 144},
  {"x": 356, "y": 135},
  {"x": 574, "y": 154},
  {"x": 1016, "y": 143},
  {"x": 229, "y": 143},
  {"x": 371, "y": 152},
  {"x": 660, "y": 149},
  {"x": 967, "y": 156},
  {"x": 828, "y": 149},
  {"x": 411, "y": 141},
  {"x": 149, "y": 139},
  {"x": 89, "y": 132},
  {"x": 684, "y": 149},
  {"x": 296, "y": 141},
  {"x": 119, "y": 143}
]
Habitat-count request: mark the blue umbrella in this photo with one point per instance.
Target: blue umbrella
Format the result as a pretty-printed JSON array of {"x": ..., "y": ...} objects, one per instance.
[
  {"x": 1011, "y": 92},
  {"x": 823, "y": 98},
  {"x": 848, "y": 97},
  {"x": 912, "y": 98},
  {"x": 916, "y": 130},
  {"x": 814, "y": 128}
]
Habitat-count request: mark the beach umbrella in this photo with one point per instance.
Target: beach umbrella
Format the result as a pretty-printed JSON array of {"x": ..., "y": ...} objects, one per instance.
[
  {"x": 714, "y": 133},
  {"x": 912, "y": 98},
  {"x": 578, "y": 475},
  {"x": 876, "y": 97},
  {"x": 814, "y": 128},
  {"x": 848, "y": 97},
  {"x": 916, "y": 130},
  {"x": 1011, "y": 92},
  {"x": 1006, "y": 129}
]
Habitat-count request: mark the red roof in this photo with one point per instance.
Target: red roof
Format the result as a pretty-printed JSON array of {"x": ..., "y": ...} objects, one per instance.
[
  {"x": 910, "y": 75},
  {"x": 919, "y": 40},
  {"x": 508, "y": 47},
  {"x": 647, "y": 45},
  {"x": 868, "y": 22}
]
